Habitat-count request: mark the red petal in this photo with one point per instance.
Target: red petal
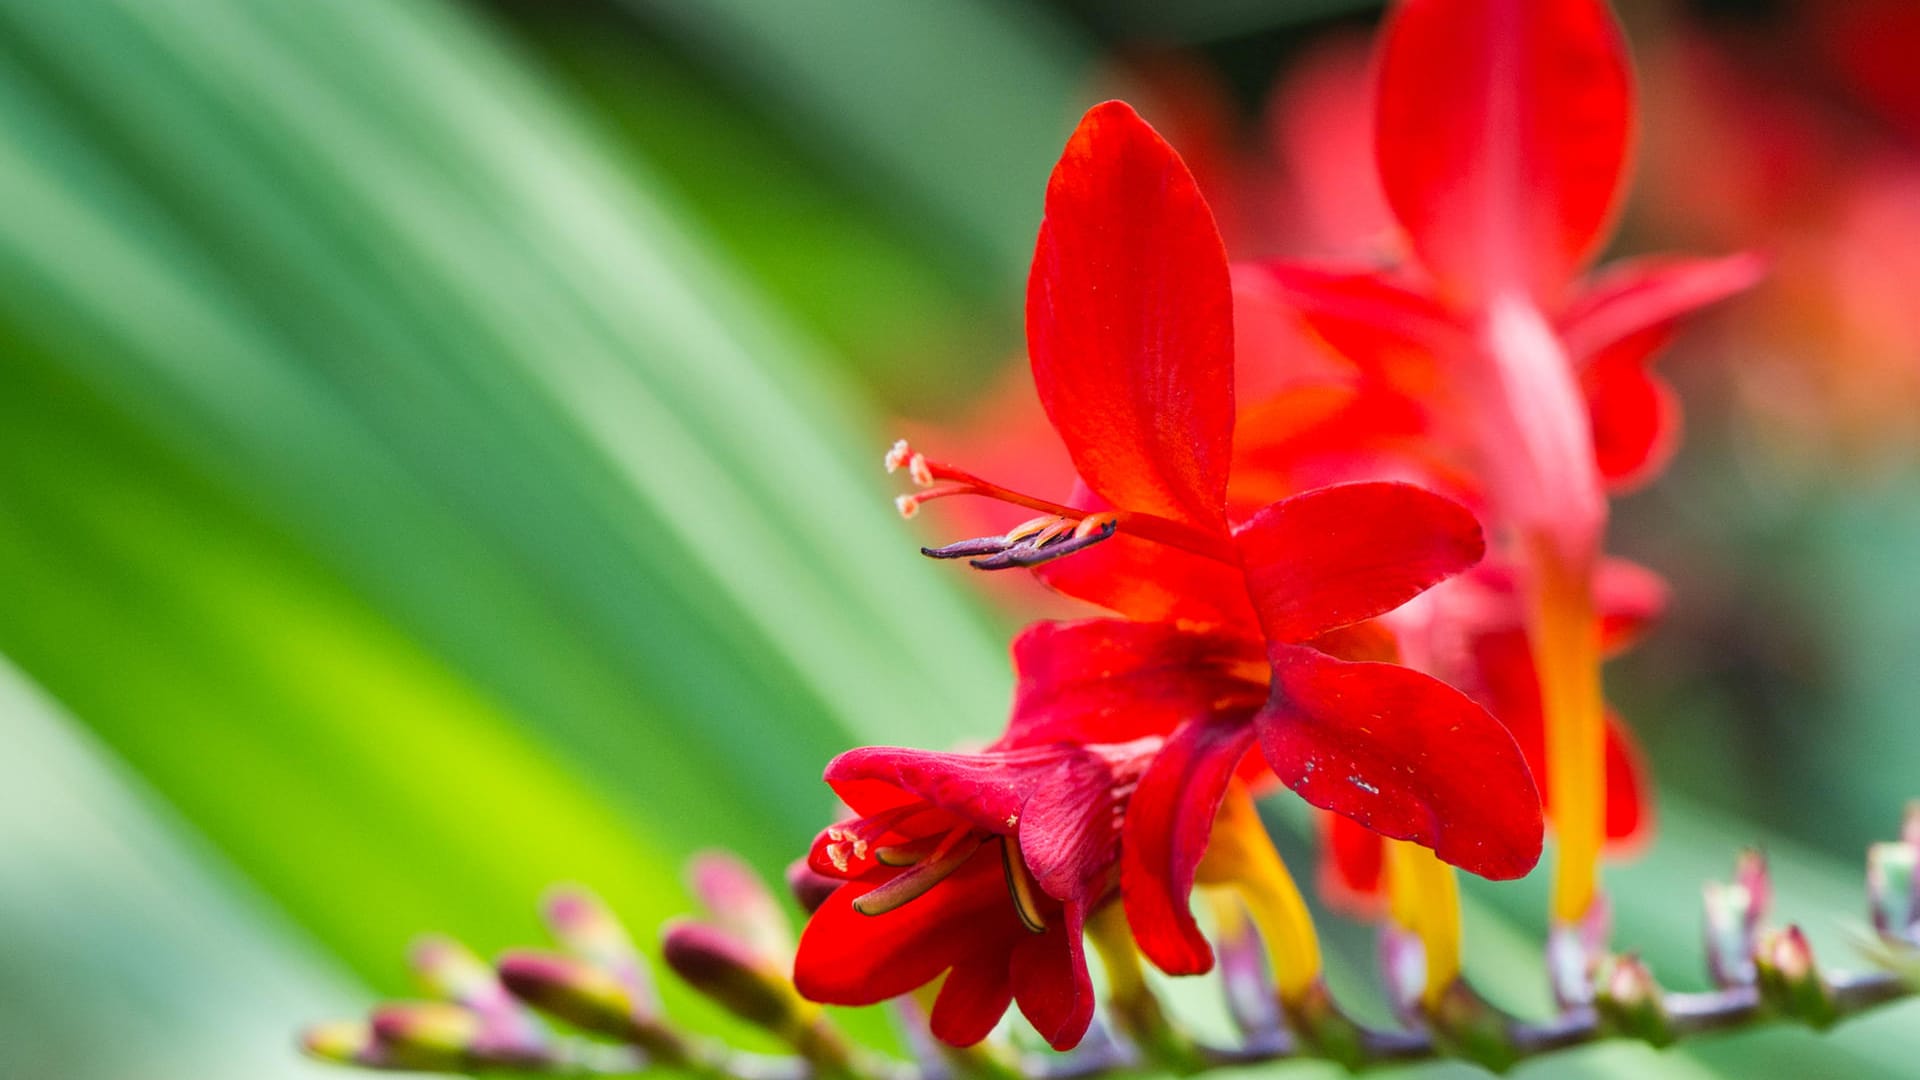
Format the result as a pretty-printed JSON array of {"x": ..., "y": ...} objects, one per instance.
[
  {"x": 846, "y": 958},
  {"x": 1051, "y": 983},
  {"x": 1169, "y": 821},
  {"x": 1339, "y": 555},
  {"x": 1387, "y": 330},
  {"x": 1636, "y": 303},
  {"x": 1352, "y": 867},
  {"x": 1070, "y": 828},
  {"x": 1636, "y": 422},
  {"x": 1630, "y": 599},
  {"x": 972, "y": 1000},
  {"x": 1503, "y": 129},
  {"x": 1629, "y": 796},
  {"x": 1114, "y": 680},
  {"x": 981, "y": 788},
  {"x": 1144, "y": 580},
  {"x": 1405, "y": 755},
  {"x": 1130, "y": 322}
]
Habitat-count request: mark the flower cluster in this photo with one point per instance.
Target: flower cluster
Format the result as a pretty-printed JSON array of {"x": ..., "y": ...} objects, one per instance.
[
  {"x": 1340, "y": 530},
  {"x": 1281, "y": 474}
]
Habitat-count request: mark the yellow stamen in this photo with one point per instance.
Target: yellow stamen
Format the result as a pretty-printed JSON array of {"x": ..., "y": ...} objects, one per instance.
[
  {"x": 1241, "y": 854},
  {"x": 1126, "y": 978},
  {"x": 1423, "y": 896},
  {"x": 1565, "y": 638}
]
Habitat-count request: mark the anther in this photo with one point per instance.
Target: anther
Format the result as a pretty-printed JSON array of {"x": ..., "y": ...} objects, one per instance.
[{"x": 915, "y": 882}]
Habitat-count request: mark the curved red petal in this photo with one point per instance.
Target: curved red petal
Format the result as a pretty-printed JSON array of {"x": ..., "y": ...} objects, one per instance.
[
  {"x": 1169, "y": 821},
  {"x": 1503, "y": 129},
  {"x": 846, "y": 958},
  {"x": 1628, "y": 311},
  {"x": 1629, "y": 793},
  {"x": 1130, "y": 322},
  {"x": 1636, "y": 422},
  {"x": 972, "y": 1000},
  {"x": 1069, "y": 831},
  {"x": 1115, "y": 680},
  {"x": 979, "y": 787},
  {"x": 1051, "y": 983},
  {"x": 1353, "y": 867},
  {"x": 1340, "y": 555},
  {"x": 1404, "y": 755}
]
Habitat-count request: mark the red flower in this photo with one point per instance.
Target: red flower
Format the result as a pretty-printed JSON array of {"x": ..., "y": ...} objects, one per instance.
[
  {"x": 1502, "y": 134},
  {"x": 983, "y": 866},
  {"x": 1130, "y": 334}
]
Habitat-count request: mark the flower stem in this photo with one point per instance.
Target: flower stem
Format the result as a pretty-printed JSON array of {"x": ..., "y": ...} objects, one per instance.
[{"x": 1565, "y": 637}]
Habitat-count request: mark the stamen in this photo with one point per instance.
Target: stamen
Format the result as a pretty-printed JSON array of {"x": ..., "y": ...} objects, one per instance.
[
  {"x": 851, "y": 841},
  {"x": 915, "y": 882},
  {"x": 1046, "y": 546},
  {"x": 939, "y": 480},
  {"x": 1020, "y": 884}
]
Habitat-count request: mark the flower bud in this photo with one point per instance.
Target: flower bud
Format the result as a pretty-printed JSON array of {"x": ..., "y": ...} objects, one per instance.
[
  {"x": 1790, "y": 982},
  {"x": 1470, "y": 1027},
  {"x": 587, "y": 997},
  {"x": 432, "y": 1036},
  {"x": 1734, "y": 914},
  {"x": 343, "y": 1042},
  {"x": 740, "y": 904},
  {"x": 1326, "y": 1032},
  {"x": 810, "y": 890},
  {"x": 1630, "y": 1002},
  {"x": 586, "y": 928},
  {"x": 747, "y": 985},
  {"x": 1893, "y": 888},
  {"x": 449, "y": 970}
]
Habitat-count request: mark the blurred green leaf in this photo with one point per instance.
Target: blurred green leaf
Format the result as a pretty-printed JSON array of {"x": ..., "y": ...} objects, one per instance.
[{"x": 127, "y": 951}]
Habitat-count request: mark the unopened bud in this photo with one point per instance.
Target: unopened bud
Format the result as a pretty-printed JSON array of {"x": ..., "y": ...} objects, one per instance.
[
  {"x": 588, "y": 929},
  {"x": 1469, "y": 1026},
  {"x": 1790, "y": 981},
  {"x": 426, "y": 1035},
  {"x": 810, "y": 889},
  {"x": 1316, "y": 1020},
  {"x": 1734, "y": 915},
  {"x": 726, "y": 970},
  {"x": 740, "y": 903},
  {"x": 1893, "y": 888},
  {"x": 343, "y": 1042},
  {"x": 1630, "y": 1001},
  {"x": 587, "y": 997},
  {"x": 447, "y": 969}
]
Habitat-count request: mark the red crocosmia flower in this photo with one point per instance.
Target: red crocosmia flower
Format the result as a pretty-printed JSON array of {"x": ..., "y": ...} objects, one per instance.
[
  {"x": 982, "y": 866},
  {"x": 1471, "y": 632},
  {"x": 1130, "y": 333},
  {"x": 1502, "y": 132}
]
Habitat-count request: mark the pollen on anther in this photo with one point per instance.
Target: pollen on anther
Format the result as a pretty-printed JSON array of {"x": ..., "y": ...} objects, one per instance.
[
  {"x": 919, "y": 470},
  {"x": 898, "y": 455},
  {"x": 908, "y": 505}
]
